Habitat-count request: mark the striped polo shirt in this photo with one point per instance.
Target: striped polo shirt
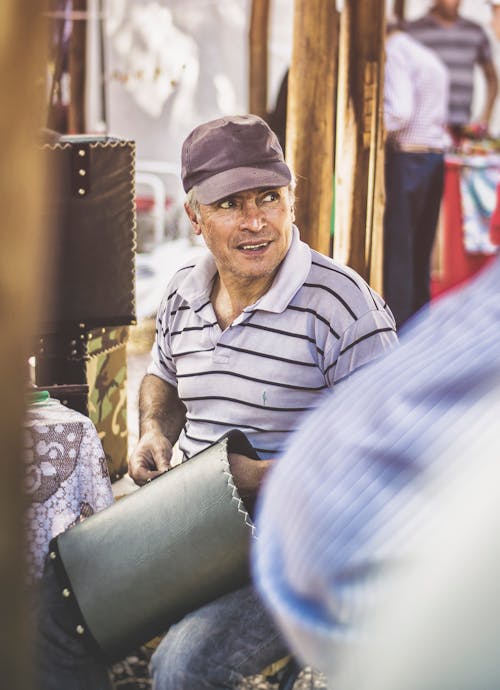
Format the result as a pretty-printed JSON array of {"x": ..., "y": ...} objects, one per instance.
[
  {"x": 460, "y": 46},
  {"x": 317, "y": 323}
]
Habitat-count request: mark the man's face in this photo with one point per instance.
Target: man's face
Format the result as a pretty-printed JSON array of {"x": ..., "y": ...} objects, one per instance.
[
  {"x": 448, "y": 9},
  {"x": 248, "y": 233}
]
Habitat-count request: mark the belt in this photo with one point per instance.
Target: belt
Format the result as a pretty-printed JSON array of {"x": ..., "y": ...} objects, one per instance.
[{"x": 410, "y": 148}]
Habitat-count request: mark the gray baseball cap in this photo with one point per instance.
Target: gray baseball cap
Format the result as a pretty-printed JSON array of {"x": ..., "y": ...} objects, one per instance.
[{"x": 232, "y": 154}]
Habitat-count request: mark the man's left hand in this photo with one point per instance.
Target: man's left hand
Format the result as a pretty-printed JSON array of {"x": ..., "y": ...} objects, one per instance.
[{"x": 248, "y": 475}]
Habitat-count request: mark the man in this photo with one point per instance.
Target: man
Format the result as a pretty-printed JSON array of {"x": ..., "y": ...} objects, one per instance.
[
  {"x": 402, "y": 454},
  {"x": 415, "y": 113},
  {"x": 495, "y": 17},
  {"x": 461, "y": 44},
  {"x": 249, "y": 337}
]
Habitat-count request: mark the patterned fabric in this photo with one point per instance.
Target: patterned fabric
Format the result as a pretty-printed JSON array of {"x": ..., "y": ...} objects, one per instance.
[
  {"x": 460, "y": 47},
  {"x": 415, "y": 94},
  {"x": 365, "y": 473},
  {"x": 107, "y": 377},
  {"x": 66, "y": 475},
  {"x": 317, "y": 323},
  {"x": 479, "y": 176}
]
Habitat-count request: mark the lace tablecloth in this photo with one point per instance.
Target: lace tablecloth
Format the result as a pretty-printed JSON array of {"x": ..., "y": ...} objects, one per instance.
[{"x": 66, "y": 475}]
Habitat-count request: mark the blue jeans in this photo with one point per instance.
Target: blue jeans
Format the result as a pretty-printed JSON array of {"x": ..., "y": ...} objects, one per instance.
[
  {"x": 414, "y": 187},
  {"x": 62, "y": 662},
  {"x": 215, "y": 647},
  {"x": 211, "y": 649}
]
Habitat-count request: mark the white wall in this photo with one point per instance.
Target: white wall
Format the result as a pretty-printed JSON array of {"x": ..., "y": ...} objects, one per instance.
[
  {"x": 203, "y": 53},
  {"x": 206, "y": 52}
]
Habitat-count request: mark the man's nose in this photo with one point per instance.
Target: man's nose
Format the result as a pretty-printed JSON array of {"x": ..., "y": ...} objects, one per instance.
[{"x": 252, "y": 217}]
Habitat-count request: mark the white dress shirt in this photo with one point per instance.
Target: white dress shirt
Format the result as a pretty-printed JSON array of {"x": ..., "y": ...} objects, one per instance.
[{"x": 415, "y": 94}]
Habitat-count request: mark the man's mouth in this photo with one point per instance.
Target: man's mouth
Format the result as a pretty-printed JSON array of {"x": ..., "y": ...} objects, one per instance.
[{"x": 253, "y": 247}]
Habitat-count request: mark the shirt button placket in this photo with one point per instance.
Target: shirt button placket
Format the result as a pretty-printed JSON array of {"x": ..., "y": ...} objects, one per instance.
[{"x": 221, "y": 354}]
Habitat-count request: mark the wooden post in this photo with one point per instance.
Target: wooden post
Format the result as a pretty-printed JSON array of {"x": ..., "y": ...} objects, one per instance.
[
  {"x": 311, "y": 116},
  {"x": 258, "y": 50},
  {"x": 360, "y": 196},
  {"x": 77, "y": 68},
  {"x": 399, "y": 8},
  {"x": 22, "y": 66}
]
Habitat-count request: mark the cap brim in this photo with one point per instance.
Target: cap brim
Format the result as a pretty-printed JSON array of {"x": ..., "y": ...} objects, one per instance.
[{"x": 241, "y": 179}]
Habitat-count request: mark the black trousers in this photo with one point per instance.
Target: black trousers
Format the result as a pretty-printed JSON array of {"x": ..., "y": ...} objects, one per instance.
[{"x": 414, "y": 188}]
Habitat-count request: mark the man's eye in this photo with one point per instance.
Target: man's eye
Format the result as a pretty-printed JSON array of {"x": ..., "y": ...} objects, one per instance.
[
  {"x": 271, "y": 196},
  {"x": 226, "y": 203}
]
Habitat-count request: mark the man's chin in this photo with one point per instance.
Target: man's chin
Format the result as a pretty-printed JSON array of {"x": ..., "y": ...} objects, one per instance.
[{"x": 252, "y": 273}]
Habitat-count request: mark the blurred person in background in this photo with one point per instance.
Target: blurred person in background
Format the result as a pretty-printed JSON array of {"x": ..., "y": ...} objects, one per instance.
[
  {"x": 495, "y": 18},
  {"x": 461, "y": 44},
  {"x": 415, "y": 113},
  {"x": 363, "y": 486}
]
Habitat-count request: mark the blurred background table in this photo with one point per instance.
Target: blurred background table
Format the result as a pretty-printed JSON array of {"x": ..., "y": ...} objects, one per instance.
[
  {"x": 67, "y": 476},
  {"x": 464, "y": 244}
]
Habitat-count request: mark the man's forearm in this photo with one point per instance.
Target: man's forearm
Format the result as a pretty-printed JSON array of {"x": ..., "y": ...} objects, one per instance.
[
  {"x": 248, "y": 475},
  {"x": 160, "y": 408}
]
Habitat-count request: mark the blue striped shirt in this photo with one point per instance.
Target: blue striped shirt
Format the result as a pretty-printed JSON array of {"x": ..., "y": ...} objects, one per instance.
[
  {"x": 353, "y": 488},
  {"x": 317, "y": 323}
]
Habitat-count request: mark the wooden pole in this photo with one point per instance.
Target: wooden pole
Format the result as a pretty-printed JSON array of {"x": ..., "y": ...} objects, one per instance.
[
  {"x": 21, "y": 69},
  {"x": 77, "y": 68},
  {"x": 311, "y": 117},
  {"x": 258, "y": 40},
  {"x": 399, "y": 8},
  {"x": 360, "y": 196}
]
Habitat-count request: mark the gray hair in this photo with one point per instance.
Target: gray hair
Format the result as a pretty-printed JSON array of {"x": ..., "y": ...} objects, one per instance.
[{"x": 193, "y": 203}]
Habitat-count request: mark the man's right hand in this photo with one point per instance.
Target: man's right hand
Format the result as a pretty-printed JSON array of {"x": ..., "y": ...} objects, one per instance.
[{"x": 150, "y": 458}]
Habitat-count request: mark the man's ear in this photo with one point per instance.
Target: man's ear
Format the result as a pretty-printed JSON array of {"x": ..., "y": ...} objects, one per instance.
[{"x": 194, "y": 219}]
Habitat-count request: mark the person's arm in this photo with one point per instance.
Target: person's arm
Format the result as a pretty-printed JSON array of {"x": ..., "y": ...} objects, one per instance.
[
  {"x": 399, "y": 100},
  {"x": 161, "y": 418},
  {"x": 491, "y": 91},
  {"x": 248, "y": 475},
  {"x": 495, "y": 21}
]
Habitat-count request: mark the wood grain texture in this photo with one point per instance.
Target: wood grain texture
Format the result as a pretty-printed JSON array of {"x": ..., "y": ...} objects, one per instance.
[
  {"x": 311, "y": 117},
  {"x": 399, "y": 8},
  {"x": 258, "y": 57},
  {"x": 360, "y": 193},
  {"x": 21, "y": 75},
  {"x": 77, "y": 71}
]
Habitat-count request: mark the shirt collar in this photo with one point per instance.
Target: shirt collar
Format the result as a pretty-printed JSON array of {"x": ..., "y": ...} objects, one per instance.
[
  {"x": 197, "y": 286},
  {"x": 289, "y": 279}
]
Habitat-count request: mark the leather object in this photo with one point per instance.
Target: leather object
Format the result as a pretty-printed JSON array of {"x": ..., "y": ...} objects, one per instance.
[{"x": 179, "y": 542}]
